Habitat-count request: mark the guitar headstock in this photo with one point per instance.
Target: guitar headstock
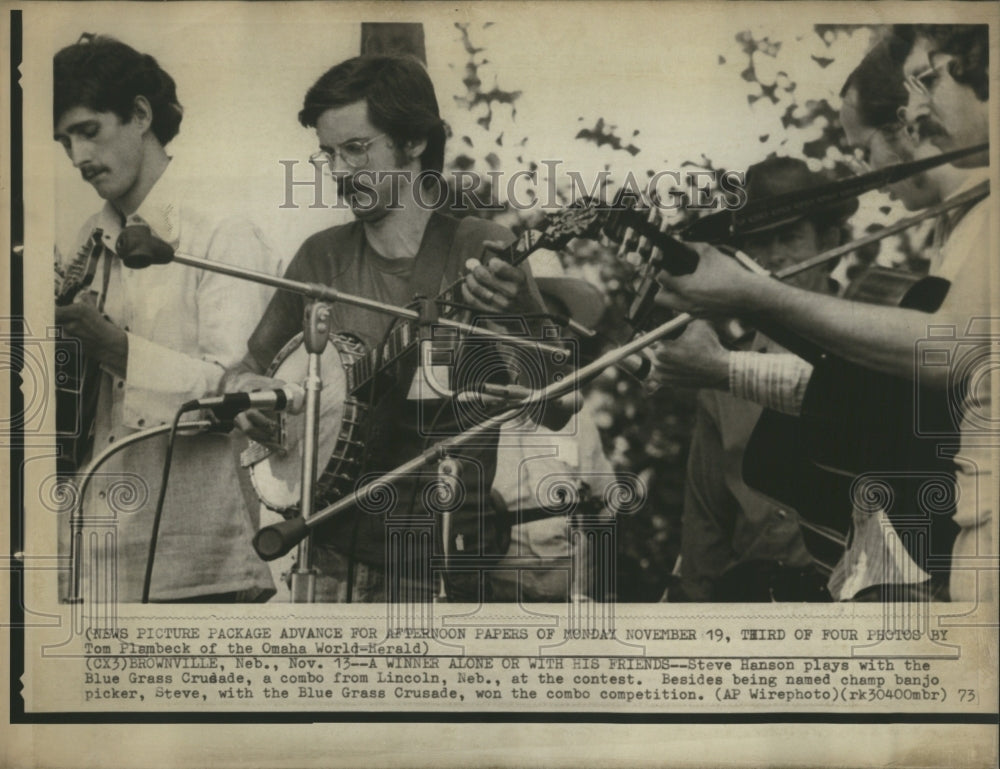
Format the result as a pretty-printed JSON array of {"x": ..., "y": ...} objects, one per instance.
[
  {"x": 582, "y": 219},
  {"x": 638, "y": 226},
  {"x": 72, "y": 278}
]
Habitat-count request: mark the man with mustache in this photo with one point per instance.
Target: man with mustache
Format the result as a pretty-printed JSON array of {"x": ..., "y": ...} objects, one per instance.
[
  {"x": 163, "y": 335},
  {"x": 381, "y": 135},
  {"x": 945, "y": 71},
  {"x": 873, "y": 96}
]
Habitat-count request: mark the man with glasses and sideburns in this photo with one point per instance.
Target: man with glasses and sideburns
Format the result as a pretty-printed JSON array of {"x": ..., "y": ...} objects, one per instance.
[
  {"x": 382, "y": 138},
  {"x": 873, "y": 96}
]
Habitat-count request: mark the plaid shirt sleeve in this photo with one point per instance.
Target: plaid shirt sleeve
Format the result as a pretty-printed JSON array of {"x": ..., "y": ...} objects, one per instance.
[{"x": 774, "y": 380}]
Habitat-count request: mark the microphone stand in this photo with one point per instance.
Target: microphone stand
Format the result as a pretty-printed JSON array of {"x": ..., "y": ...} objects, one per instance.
[
  {"x": 76, "y": 521},
  {"x": 275, "y": 541},
  {"x": 151, "y": 252},
  {"x": 139, "y": 248},
  {"x": 315, "y": 335}
]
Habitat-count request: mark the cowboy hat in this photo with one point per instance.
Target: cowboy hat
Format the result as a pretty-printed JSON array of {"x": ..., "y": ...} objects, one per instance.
[{"x": 782, "y": 176}]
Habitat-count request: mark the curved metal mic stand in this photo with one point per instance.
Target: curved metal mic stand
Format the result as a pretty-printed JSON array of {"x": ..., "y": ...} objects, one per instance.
[
  {"x": 76, "y": 514},
  {"x": 274, "y": 541}
]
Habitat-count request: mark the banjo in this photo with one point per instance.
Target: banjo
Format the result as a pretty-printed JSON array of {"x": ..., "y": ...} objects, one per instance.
[{"x": 349, "y": 369}]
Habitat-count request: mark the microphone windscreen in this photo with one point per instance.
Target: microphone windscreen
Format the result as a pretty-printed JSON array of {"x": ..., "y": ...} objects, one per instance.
[
  {"x": 278, "y": 539},
  {"x": 138, "y": 247}
]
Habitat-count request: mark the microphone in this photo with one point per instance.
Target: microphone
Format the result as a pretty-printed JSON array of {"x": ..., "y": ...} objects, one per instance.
[
  {"x": 138, "y": 247},
  {"x": 290, "y": 398}
]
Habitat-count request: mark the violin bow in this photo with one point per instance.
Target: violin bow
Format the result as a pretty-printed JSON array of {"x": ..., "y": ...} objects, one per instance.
[{"x": 724, "y": 225}]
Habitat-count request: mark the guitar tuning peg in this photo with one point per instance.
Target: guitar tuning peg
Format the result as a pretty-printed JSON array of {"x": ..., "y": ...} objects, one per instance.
[
  {"x": 643, "y": 244},
  {"x": 657, "y": 218},
  {"x": 632, "y": 258},
  {"x": 628, "y": 243}
]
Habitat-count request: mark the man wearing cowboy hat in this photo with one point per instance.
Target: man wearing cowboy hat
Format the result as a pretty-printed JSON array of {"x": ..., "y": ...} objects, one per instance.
[
  {"x": 536, "y": 465},
  {"x": 735, "y": 543}
]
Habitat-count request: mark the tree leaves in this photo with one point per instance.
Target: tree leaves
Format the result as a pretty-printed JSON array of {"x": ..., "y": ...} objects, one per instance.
[{"x": 602, "y": 134}]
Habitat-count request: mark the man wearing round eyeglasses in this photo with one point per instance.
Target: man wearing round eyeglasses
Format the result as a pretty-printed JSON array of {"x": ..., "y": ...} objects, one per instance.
[
  {"x": 353, "y": 155},
  {"x": 382, "y": 139},
  {"x": 946, "y": 68},
  {"x": 872, "y": 98}
]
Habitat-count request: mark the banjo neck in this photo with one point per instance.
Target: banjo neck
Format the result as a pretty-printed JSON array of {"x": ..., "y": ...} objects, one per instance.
[{"x": 404, "y": 335}]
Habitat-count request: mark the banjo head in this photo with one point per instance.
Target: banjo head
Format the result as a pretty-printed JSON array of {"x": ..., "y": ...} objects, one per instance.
[{"x": 277, "y": 475}]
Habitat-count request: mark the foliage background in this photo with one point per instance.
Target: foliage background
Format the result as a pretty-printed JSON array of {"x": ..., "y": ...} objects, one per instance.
[{"x": 657, "y": 89}]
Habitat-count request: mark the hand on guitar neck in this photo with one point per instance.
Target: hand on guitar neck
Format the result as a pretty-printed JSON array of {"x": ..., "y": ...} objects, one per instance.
[
  {"x": 100, "y": 338},
  {"x": 496, "y": 287},
  {"x": 720, "y": 284}
]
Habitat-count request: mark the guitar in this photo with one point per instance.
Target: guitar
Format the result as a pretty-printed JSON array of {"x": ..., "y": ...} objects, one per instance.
[
  {"x": 77, "y": 377},
  {"x": 856, "y": 436},
  {"x": 857, "y": 439}
]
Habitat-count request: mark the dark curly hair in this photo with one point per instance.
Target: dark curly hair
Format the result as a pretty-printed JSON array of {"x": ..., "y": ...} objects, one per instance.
[
  {"x": 105, "y": 75},
  {"x": 399, "y": 95},
  {"x": 969, "y": 44},
  {"x": 878, "y": 81}
]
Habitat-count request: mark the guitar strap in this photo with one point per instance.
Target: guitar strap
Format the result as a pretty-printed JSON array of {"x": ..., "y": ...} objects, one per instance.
[
  {"x": 431, "y": 272},
  {"x": 106, "y": 257},
  {"x": 431, "y": 266},
  {"x": 953, "y": 217}
]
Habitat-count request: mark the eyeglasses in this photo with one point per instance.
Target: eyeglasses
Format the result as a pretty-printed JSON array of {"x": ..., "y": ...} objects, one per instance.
[
  {"x": 354, "y": 153},
  {"x": 923, "y": 82}
]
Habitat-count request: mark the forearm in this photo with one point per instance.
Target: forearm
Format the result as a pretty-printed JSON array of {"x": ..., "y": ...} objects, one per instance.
[
  {"x": 776, "y": 381},
  {"x": 874, "y": 336}
]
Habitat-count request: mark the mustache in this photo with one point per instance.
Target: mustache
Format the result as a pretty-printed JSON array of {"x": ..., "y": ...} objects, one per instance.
[
  {"x": 91, "y": 171},
  {"x": 346, "y": 185},
  {"x": 928, "y": 128}
]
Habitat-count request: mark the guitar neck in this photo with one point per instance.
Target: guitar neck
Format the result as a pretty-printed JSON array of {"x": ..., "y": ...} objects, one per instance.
[
  {"x": 403, "y": 336},
  {"x": 514, "y": 254},
  {"x": 79, "y": 274}
]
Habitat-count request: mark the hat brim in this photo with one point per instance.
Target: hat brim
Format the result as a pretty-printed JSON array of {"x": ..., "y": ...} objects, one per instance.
[{"x": 842, "y": 211}]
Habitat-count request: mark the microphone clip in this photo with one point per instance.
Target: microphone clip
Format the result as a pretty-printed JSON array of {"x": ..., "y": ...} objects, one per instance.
[{"x": 427, "y": 310}]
